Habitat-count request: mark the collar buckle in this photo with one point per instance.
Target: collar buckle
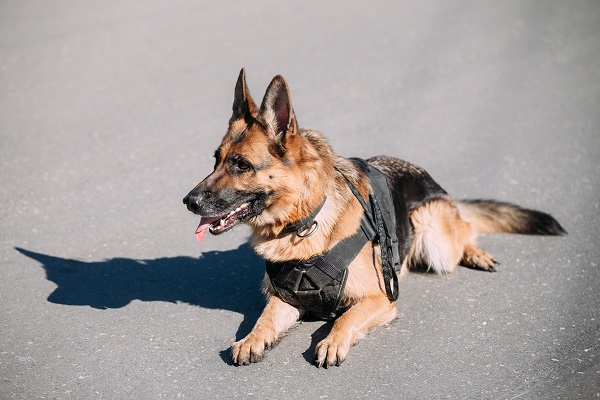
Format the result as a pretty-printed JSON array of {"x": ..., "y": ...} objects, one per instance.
[
  {"x": 308, "y": 224},
  {"x": 311, "y": 230}
]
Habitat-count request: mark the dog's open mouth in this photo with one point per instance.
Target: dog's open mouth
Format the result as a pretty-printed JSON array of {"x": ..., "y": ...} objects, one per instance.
[{"x": 223, "y": 223}]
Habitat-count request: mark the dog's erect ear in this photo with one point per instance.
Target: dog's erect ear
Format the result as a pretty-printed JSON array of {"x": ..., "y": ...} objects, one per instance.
[
  {"x": 243, "y": 105},
  {"x": 276, "y": 112}
]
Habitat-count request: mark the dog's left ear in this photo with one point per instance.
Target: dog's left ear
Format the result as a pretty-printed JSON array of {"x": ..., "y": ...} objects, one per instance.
[
  {"x": 276, "y": 113},
  {"x": 243, "y": 105}
]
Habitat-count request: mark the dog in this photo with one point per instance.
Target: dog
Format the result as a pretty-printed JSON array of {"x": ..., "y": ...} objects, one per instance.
[{"x": 270, "y": 174}]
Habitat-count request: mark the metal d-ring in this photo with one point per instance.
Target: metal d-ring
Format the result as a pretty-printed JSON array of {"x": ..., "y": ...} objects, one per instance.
[{"x": 313, "y": 228}]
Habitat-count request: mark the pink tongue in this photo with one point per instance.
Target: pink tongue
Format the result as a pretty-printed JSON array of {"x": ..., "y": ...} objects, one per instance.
[{"x": 204, "y": 223}]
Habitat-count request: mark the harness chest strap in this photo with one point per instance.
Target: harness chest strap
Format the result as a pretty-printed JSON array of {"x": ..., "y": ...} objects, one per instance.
[{"x": 317, "y": 284}]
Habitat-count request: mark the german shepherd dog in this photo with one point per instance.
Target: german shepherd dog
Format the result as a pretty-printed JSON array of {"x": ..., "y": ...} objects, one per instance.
[{"x": 269, "y": 173}]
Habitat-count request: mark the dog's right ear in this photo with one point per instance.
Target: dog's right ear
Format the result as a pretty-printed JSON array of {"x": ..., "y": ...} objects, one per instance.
[
  {"x": 277, "y": 114},
  {"x": 243, "y": 105}
]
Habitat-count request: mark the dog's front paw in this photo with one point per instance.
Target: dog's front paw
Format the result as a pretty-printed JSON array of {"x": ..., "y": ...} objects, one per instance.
[
  {"x": 331, "y": 351},
  {"x": 251, "y": 349}
]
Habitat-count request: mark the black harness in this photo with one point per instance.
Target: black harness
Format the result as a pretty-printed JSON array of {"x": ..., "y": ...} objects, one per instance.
[{"x": 317, "y": 284}]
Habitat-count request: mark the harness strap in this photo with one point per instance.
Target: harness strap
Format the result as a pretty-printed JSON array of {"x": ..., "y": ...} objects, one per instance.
[
  {"x": 384, "y": 223},
  {"x": 387, "y": 263}
]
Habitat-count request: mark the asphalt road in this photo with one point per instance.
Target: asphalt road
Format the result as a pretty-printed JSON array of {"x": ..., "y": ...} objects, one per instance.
[{"x": 110, "y": 112}]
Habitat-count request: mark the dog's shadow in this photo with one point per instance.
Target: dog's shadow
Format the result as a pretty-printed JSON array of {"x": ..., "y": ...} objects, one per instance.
[{"x": 226, "y": 280}]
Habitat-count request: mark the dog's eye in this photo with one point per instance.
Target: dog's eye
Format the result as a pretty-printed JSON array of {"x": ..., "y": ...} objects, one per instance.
[{"x": 242, "y": 165}]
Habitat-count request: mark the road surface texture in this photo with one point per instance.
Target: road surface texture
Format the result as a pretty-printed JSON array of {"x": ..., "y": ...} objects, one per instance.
[{"x": 110, "y": 114}]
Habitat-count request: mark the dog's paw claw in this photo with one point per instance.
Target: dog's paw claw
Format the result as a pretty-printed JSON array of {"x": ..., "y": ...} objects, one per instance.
[
  {"x": 249, "y": 350},
  {"x": 330, "y": 354},
  {"x": 479, "y": 259}
]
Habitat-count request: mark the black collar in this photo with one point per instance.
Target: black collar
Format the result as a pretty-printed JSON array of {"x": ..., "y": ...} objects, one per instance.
[{"x": 306, "y": 223}]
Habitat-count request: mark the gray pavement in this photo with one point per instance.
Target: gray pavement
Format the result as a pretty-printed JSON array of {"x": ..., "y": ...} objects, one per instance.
[{"x": 110, "y": 112}]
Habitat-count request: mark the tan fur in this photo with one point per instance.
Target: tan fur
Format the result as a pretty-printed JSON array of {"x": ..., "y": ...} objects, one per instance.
[
  {"x": 485, "y": 218},
  {"x": 299, "y": 169},
  {"x": 443, "y": 239}
]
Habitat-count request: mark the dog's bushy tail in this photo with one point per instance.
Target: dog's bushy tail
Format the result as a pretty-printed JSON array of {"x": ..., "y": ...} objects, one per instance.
[{"x": 489, "y": 216}]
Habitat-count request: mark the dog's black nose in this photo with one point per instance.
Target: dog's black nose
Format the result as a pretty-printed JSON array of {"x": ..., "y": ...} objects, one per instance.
[{"x": 192, "y": 201}]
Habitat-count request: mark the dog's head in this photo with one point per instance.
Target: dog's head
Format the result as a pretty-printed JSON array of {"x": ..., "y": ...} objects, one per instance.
[{"x": 262, "y": 168}]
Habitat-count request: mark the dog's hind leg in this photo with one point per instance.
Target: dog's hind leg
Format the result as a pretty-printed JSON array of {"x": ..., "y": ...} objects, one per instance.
[
  {"x": 353, "y": 325},
  {"x": 276, "y": 318},
  {"x": 443, "y": 240}
]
